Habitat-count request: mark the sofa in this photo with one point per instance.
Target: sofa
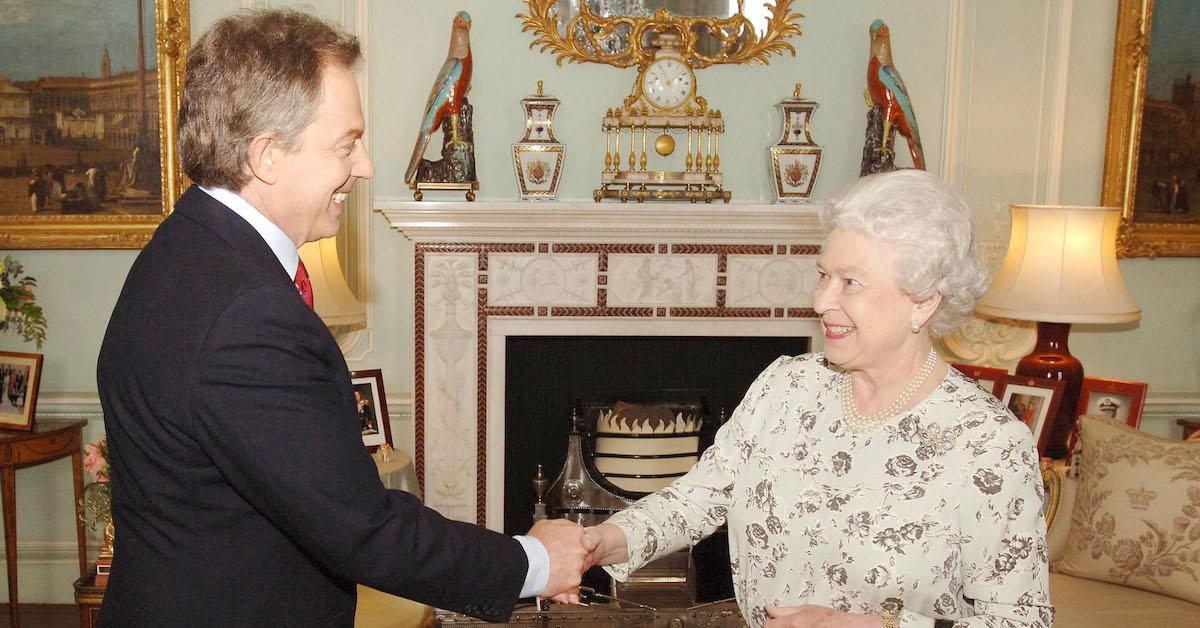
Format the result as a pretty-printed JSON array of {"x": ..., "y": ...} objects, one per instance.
[{"x": 1088, "y": 602}]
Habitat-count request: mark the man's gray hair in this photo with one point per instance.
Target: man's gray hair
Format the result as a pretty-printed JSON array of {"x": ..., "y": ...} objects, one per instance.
[
  {"x": 929, "y": 225},
  {"x": 256, "y": 71}
]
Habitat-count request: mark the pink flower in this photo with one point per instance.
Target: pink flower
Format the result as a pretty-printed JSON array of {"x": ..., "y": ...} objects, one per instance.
[
  {"x": 95, "y": 459},
  {"x": 93, "y": 462}
]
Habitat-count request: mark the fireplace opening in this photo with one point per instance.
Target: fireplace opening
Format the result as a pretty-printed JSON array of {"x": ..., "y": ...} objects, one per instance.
[{"x": 547, "y": 376}]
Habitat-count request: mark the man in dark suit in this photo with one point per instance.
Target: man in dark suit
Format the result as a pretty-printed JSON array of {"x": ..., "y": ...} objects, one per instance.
[{"x": 242, "y": 493}]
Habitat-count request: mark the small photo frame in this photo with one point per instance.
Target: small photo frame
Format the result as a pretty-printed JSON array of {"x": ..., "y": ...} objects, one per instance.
[
  {"x": 987, "y": 377},
  {"x": 1113, "y": 398},
  {"x": 371, "y": 403},
  {"x": 1033, "y": 401},
  {"x": 20, "y": 376}
]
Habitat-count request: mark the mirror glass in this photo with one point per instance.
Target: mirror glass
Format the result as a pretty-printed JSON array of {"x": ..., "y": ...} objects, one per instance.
[{"x": 755, "y": 10}]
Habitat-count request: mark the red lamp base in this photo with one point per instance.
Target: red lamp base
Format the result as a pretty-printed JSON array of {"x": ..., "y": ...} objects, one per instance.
[{"x": 1051, "y": 359}]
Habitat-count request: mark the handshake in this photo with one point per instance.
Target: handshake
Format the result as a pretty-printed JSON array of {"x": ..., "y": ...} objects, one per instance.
[{"x": 574, "y": 549}]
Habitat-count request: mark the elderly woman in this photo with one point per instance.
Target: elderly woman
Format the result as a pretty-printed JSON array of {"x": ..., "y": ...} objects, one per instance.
[{"x": 870, "y": 485}]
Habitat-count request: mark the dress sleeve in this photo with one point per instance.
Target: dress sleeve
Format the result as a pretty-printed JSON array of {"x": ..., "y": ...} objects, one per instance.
[
  {"x": 694, "y": 506},
  {"x": 1004, "y": 553}
]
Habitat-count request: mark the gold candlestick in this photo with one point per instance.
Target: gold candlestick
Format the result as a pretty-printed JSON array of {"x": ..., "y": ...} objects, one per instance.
[
  {"x": 687, "y": 164},
  {"x": 617, "y": 153},
  {"x": 608, "y": 141},
  {"x": 632, "y": 140},
  {"x": 708, "y": 148},
  {"x": 643, "y": 162}
]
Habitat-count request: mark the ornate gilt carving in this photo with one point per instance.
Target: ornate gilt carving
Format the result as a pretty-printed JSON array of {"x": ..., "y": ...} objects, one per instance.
[
  {"x": 990, "y": 342},
  {"x": 585, "y": 37}
]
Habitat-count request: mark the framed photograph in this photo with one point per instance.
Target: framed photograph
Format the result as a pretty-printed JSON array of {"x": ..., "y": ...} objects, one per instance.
[
  {"x": 371, "y": 402},
  {"x": 1151, "y": 166},
  {"x": 1032, "y": 400},
  {"x": 986, "y": 376},
  {"x": 20, "y": 376},
  {"x": 1113, "y": 398},
  {"x": 88, "y": 107}
]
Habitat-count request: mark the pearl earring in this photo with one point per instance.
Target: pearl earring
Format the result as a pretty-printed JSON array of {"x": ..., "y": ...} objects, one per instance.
[{"x": 916, "y": 329}]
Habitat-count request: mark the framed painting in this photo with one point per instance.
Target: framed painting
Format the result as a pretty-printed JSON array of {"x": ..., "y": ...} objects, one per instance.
[
  {"x": 1032, "y": 400},
  {"x": 987, "y": 377},
  {"x": 371, "y": 403},
  {"x": 1113, "y": 398},
  {"x": 89, "y": 97},
  {"x": 1152, "y": 159},
  {"x": 20, "y": 376}
]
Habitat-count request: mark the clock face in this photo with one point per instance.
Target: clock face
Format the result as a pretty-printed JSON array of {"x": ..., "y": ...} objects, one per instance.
[{"x": 667, "y": 83}]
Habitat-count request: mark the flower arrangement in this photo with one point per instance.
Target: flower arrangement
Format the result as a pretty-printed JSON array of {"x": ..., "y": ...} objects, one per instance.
[
  {"x": 21, "y": 311},
  {"x": 97, "y": 495}
]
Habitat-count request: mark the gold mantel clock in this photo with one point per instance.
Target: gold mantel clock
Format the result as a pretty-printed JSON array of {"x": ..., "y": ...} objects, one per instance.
[{"x": 664, "y": 104}]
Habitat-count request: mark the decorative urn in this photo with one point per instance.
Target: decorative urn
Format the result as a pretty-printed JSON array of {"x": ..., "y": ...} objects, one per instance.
[
  {"x": 538, "y": 156},
  {"x": 795, "y": 158}
]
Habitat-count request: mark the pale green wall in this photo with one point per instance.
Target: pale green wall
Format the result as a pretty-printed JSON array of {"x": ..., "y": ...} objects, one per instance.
[{"x": 994, "y": 152}]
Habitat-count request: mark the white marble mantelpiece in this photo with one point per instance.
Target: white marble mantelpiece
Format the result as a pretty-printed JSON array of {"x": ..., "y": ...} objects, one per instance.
[
  {"x": 747, "y": 223},
  {"x": 485, "y": 271}
]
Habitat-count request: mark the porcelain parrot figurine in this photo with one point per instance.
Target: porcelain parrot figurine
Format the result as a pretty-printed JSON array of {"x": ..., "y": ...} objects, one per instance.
[
  {"x": 446, "y": 96},
  {"x": 885, "y": 89}
]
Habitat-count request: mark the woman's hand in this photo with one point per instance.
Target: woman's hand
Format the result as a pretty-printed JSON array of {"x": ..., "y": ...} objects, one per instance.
[
  {"x": 813, "y": 616},
  {"x": 610, "y": 547}
]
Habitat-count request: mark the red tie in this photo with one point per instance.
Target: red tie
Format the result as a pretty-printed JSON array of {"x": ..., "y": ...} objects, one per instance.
[{"x": 303, "y": 284}]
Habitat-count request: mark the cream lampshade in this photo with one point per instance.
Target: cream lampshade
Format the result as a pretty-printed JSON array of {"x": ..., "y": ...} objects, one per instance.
[
  {"x": 1061, "y": 268},
  {"x": 332, "y": 299}
]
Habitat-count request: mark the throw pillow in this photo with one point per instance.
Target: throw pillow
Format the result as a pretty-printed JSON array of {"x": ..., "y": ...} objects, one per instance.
[{"x": 1136, "y": 520}]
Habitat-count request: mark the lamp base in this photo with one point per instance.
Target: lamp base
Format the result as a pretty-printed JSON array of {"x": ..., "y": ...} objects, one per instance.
[{"x": 1051, "y": 359}]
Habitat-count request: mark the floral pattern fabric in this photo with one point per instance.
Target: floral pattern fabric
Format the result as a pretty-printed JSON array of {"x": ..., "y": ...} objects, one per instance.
[
  {"x": 1136, "y": 520},
  {"x": 939, "y": 509}
]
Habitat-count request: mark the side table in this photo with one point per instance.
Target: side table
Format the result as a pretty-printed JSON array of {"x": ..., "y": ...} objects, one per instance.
[
  {"x": 49, "y": 440},
  {"x": 88, "y": 596}
]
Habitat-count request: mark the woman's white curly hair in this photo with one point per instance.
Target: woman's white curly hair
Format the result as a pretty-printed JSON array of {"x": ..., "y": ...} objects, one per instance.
[{"x": 929, "y": 225}]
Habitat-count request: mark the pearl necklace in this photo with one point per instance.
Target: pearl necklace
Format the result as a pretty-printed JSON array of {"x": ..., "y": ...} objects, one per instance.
[{"x": 860, "y": 424}]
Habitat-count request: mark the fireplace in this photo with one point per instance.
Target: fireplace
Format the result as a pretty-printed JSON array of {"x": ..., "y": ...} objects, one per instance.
[
  {"x": 489, "y": 277},
  {"x": 547, "y": 375}
]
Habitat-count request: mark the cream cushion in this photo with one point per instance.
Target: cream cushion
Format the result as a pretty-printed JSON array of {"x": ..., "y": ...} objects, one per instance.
[
  {"x": 1080, "y": 603},
  {"x": 377, "y": 609},
  {"x": 1136, "y": 516}
]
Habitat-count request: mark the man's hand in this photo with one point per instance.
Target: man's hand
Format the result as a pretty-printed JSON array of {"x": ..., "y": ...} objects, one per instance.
[
  {"x": 609, "y": 547},
  {"x": 570, "y": 554}
]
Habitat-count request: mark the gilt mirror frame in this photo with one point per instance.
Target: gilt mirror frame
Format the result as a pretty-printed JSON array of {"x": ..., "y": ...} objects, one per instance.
[
  {"x": 1127, "y": 100},
  {"x": 27, "y": 230},
  {"x": 739, "y": 42}
]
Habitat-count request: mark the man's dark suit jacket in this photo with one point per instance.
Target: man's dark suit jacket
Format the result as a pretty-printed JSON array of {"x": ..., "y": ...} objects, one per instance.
[{"x": 243, "y": 495}]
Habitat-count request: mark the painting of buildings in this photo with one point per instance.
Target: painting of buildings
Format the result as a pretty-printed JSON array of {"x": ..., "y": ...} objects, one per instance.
[{"x": 79, "y": 114}]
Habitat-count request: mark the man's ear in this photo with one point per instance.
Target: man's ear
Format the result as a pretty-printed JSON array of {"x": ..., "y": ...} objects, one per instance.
[{"x": 261, "y": 157}]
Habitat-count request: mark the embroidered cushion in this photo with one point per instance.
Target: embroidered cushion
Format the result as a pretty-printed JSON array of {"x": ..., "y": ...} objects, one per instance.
[{"x": 1136, "y": 520}]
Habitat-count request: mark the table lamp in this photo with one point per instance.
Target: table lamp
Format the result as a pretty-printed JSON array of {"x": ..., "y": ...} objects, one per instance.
[
  {"x": 1060, "y": 268},
  {"x": 332, "y": 299}
]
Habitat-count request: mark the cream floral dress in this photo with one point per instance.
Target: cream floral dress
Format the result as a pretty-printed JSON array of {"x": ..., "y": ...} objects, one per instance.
[{"x": 940, "y": 509}]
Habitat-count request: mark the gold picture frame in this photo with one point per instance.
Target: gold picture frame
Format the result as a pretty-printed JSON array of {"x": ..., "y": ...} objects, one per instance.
[
  {"x": 91, "y": 223},
  {"x": 1143, "y": 232}
]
